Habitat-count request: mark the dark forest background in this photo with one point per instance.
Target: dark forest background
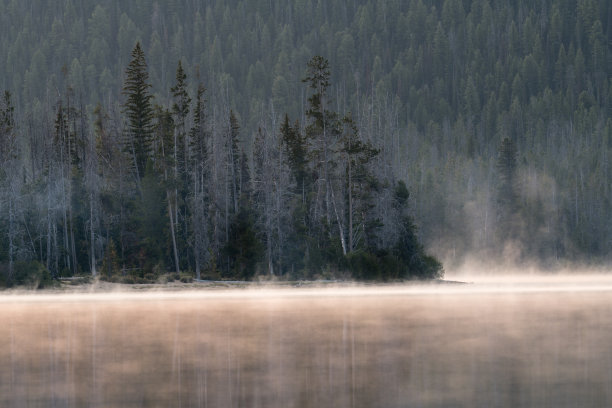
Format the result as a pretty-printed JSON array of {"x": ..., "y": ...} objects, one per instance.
[{"x": 495, "y": 114}]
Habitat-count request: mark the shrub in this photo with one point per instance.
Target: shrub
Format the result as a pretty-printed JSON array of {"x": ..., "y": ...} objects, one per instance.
[
  {"x": 364, "y": 265},
  {"x": 81, "y": 280},
  {"x": 432, "y": 267},
  {"x": 390, "y": 266},
  {"x": 32, "y": 274},
  {"x": 127, "y": 279},
  {"x": 3, "y": 276},
  {"x": 150, "y": 277}
]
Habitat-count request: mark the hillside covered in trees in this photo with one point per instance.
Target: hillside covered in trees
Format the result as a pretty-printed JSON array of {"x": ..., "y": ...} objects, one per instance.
[
  {"x": 495, "y": 115},
  {"x": 166, "y": 190}
]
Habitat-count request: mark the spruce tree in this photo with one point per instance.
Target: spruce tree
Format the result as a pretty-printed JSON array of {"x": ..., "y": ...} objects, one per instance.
[
  {"x": 8, "y": 156},
  {"x": 180, "y": 110},
  {"x": 180, "y": 107},
  {"x": 506, "y": 167},
  {"x": 296, "y": 150},
  {"x": 180, "y": 151},
  {"x": 359, "y": 181},
  {"x": 165, "y": 162},
  {"x": 199, "y": 172},
  {"x": 414, "y": 261},
  {"x": 243, "y": 249},
  {"x": 7, "y": 127},
  {"x": 323, "y": 132},
  {"x": 507, "y": 197},
  {"x": 295, "y": 245},
  {"x": 139, "y": 110},
  {"x": 233, "y": 159}
]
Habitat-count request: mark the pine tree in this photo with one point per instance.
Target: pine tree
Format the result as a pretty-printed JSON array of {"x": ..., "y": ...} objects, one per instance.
[
  {"x": 408, "y": 249},
  {"x": 110, "y": 264},
  {"x": 244, "y": 237},
  {"x": 358, "y": 181},
  {"x": 165, "y": 162},
  {"x": 180, "y": 107},
  {"x": 506, "y": 167},
  {"x": 199, "y": 172},
  {"x": 65, "y": 143},
  {"x": 295, "y": 245},
  {"x": 233, "y": 159},
  {"x": 139, "y": 110},
  {"x": 180, "y": 152},
  {"x": 295, "y": 147},
  {"x": 243, "y": 249},
  {"x": 507, "y": 197},
  {"x": 323, "y": 132},
  {"x": 180, "y": 110},
  {"x": 7, "y": 127},
  {"x": 8, "y": 179}
]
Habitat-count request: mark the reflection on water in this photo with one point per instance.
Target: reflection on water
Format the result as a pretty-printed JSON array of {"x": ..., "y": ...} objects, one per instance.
[{"x": 475, "y": 345}]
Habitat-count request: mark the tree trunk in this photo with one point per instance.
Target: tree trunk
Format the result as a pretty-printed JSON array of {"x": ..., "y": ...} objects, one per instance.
[
  {"x": 72, "y": 244},
  {"x": 92, "y": 235},
  {"x": 350, "y": 209},
  {"x": 196, "y": 227},
  {"x": 48, "y": 226},
  {"x": 340, "y": 228},
  {"x": 171, "y": 215},
  {"x": 11, "y": 236},
  {"x": 66, "y": 241}
]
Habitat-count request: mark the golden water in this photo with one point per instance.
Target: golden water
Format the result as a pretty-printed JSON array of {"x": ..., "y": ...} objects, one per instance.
[{"x": 534, "y": 343}]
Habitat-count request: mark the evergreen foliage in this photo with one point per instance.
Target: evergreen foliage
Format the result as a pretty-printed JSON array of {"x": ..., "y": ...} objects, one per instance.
[
  {"x": 180, "y": 94},
  {"x": 434, "y": 86},
  {"x": 138, "y": 110},
  {"x": 506, "y": 168},
  {"x": 295, "y": 150},
  {"x": 327, "y": 169}
]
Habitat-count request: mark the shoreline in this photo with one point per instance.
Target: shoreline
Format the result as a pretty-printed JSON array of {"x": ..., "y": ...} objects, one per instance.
[{"x": 98, "y": 286}]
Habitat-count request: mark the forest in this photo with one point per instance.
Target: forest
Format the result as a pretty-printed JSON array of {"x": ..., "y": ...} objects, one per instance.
[
  {"x": 479, "y": 128},
  {"x": 168, "y": 196}
]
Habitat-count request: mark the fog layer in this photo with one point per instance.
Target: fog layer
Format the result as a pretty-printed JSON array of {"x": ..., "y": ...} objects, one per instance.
[{"x": 482, "y": 344}]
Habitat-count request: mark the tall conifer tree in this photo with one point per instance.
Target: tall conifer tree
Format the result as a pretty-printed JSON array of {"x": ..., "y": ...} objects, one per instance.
[
  {"x": 507, "y": 195},
  {"x": 506, "y": 167},
  {"x": 323, "y": 132},
  {"x": 199, "y": 164},
  {"x": 180, "y": 110},
  {"x": 139, "y": 110}
]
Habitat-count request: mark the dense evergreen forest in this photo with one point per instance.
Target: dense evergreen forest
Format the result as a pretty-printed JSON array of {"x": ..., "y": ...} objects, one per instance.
[{"x": 493, "y": 115}]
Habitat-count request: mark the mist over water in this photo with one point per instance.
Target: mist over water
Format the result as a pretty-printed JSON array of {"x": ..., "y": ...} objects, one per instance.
[{"x": 512, "y": 342}]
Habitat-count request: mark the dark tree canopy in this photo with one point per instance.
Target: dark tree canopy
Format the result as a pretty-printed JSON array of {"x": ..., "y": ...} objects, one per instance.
[
  {"x": 433, "y": 86},
  {"x": 507, "y": 167},
  {"x": 138, "y": 109},
  {"x": 180, "y": 107}
]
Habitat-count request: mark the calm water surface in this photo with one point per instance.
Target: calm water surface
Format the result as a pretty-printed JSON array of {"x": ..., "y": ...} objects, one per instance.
[{"x": 535, "y": 343}]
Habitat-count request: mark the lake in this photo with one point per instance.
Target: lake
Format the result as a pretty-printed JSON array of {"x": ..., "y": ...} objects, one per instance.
[{"x": 543, "y": 342}]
